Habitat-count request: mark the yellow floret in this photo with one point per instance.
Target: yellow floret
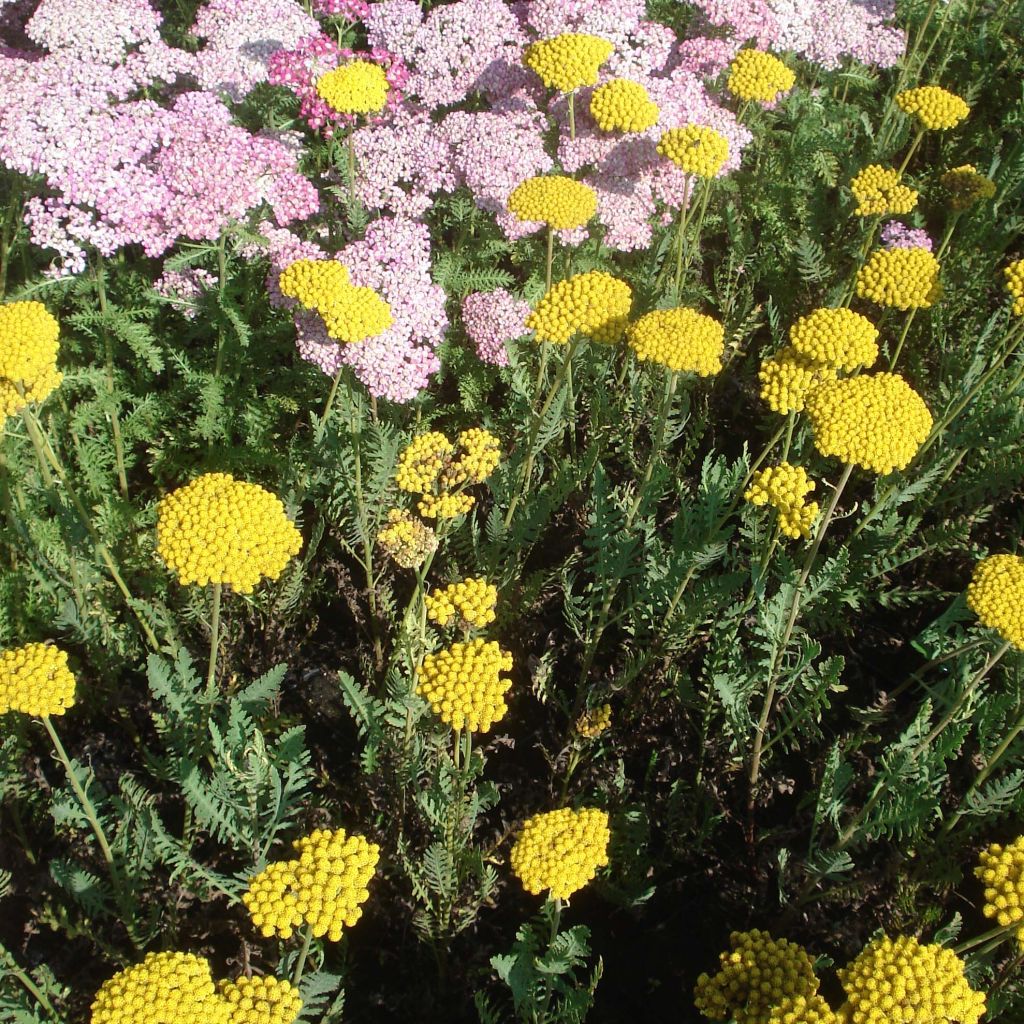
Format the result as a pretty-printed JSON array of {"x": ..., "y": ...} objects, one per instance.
[
  {"x": 902, "y": 278},
  {"x": 406, "y": 540},
  {"x": 561, "y": 851},
  {"x": 879, "y": 193},
  {"x": 594, "y": 304},
  {"x": 355, "y": 314},
  {"x": 422, "y": 461},
  {"x": 622, "y": 105},
  {"x": 35, "y": 680},
  {"x": 1014, "y": 275},
  {"x": 904, "y": 980},
  {"x": 15, "y": 397},
  {"x": 445, "y": 505},
  {"x": 788, "y": 378},
  {"x": 314, "y": 283},
  {"x": 835, "y": 337},
  {"x": 28, "y": 341},
  {"x": 221, "y": 530},
  {"x": 933, "y": 106},
  {"x": 592, "y": 723},
  {"x": 785, "y": 487},
  {"x": 874, "y": 421},
  {"x": 695, "y": 149},
  {"x": 260, "y": 1000},
  {"x": 569, "y": 61},
  {"x": 559, "y": 202},
  {"x": 464, "y": 686},
  {"x": 966, "y": 186},
  {"x": 478, "y": 455},
  {"x": 1001, "y": 869},
  {"x": 996, "y": 596},
  {"x": 681, "y": 339},
  {"x": 472, "y": 600},
  {"x": 803, "y": 1010},
  {"x": 359, "y": 87},
  {"x": 756, "y": 75}
]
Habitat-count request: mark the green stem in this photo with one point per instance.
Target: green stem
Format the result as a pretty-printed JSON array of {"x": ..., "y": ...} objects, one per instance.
[
  {"x": 300, "y": 965},
  {"x": 8, "y": 236},
  {"x": 950, "y": 227},
  {"x": 903, "y": 338},
  {"x": 99, "y": 274},
  {"x": 351, "y": 153},
  {"x": 222, "y": 281},
  {"x": 556, "y": 917},
  {"x": 330, "y": 398},
  {"x": 11, "y": 965},
  {"x": 572, "y": 115},
  {"x": 911, "y": 151},
  {"x": 693, "y": 249},
  {"x": 211, "y": 668},
  {"x": 999, "y": 932},
  {"x": 684, "y": 213}
]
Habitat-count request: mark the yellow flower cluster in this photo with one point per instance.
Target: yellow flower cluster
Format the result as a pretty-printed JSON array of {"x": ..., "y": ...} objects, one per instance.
[
  {"x": 592, "y": 723},
  {"x": 166, "y": 988},
  {"x": 221, "y": 530},
  {"x": 422, "y": 461},
  {"x": 561, "y": 850},
  {"x": 324, "y": 887},
  {"x": 876, "y": 421},
  {"x": 996, "y": 595},
  {"x": 314, "y": 283},
  {"x": 879, "y": 193},
  {"x": 622, "y": 105},
  {"x": 695, "y": 149},
  {"x": 756, "y": 974},
  {"x": 933, "y": 106},
  {"x": 595, "y": 304},
  {"x": 464, "y": 686},
  {"x": 835, "y": 337},
  {"x": 681, "y": 339},
  {"x": 756, "y": 75},
  {"x": 260, "y": 1000},
  {"x": 406, "y": 540},
  {"x": 904, "y": 278},
  {"x": 479, "y": 455},
  {"x": 1001, "y": 868},
  {"x": 785, "y": 487},
  {"x": 35, "y": 680},
  {"x": 359, "y": 87},
  {"x": 28, "y": 355},
  {"x": 350, "y": 312},
  {"x": 904, "y": 980},
  {"x": 569, "y": 61},
  {"x": 445, "y": 506},
  {"x": 788, "y": 378},
  {"x": 1014, "y": 275},
  {"x": 966, "y": 186},
  {"x": 804, "y": 1010},
  {"x": 473, "y": 600},
  {"x": 553, "y": 199}
]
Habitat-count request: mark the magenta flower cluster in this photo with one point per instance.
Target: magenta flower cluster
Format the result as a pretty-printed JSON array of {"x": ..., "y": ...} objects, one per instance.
[{"x": 900, "y": 236}]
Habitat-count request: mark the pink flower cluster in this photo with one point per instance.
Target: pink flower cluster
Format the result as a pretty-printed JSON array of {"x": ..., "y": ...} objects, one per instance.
[
  {"x": 900, "y": 236},
  {"x": 492, "y": 319},
  {"x": 97, "y": 30},
  {"x": 183, "y": 288},
  {"x": 352, "y": 10}
]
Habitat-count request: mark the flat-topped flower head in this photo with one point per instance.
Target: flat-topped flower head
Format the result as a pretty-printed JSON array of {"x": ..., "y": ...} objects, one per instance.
[
  {"x": 355, "y": 314},
  {"x": 406, "y": 540},
  {"x": 785, "y": 487},
  {"x": 569, "y": 61},
  {"x": 28, "y": 341},
  {"x": 880, "y": 193},
  {"x": 561, "y": 851},
  {"x": 166, "y": 988},
  {"x": 594, "y": 721},
  {"x": 754, "y": 975},
  {"x": 316, "y": 284},
  {"x": 759, "y": 76},
  {"x": 934, "y": 108},
  {"x": 803, "y": 1010},
  {"x": 464, "y": 686},
  {"x": 996, "y": 595},
  {"x": 471, "y": 602},
  {"x": 966, "y": 186},
  {"x": 835, "y": 337},
  {"x": 623, "y": 106},
  {"x": 221, "y": 530},
  {"x": 904, "y": 980},
  {"x": 324, "y": 886},
  {"x": 594, "y": 304},
  {"x": 1001, "y": 869},
  {"x": 260, "y": 1000},
  {"x": 695, "y": 149},
  {"x": 680, "y": 339},
  {"x": 16, "y": 396},
  {"x": 477, "y": 454},
  {"x": 901, "y": 278},
  {"x": 35, "y": 680},
  {"x": 358, "y": 87},
  {"x": 1014, "y": 275},
  {"x": 553, "y": 199},
  {"x": 421, "y": 462},
  {"x": 788, "y": 377},
  {"x": 876, "y": 421}
]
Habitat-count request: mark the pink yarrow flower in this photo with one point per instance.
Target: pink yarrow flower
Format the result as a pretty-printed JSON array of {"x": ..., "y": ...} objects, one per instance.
[{"x": 492, "y": 319}]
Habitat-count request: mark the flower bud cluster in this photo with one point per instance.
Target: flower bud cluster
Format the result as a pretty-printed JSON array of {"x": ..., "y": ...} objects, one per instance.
[
  {"x": 407, "y": 541},
  {"x": 695, "y": 149},
  {"x": 785, "y": 487},
  {"x": 1001, "y": 868},
  {"x": 35, "y": 680},
  {"x": 759, "y": 76},
  {"x": 996, "y": 595},
  {"x": 835, "y": 337},
  {"x": 879, "y": 193},
  {"x": 472, "y": 600},
  {"x": 680, "y": 339},
  {"x": 464, "y": 686},
  {"x": 902, "y": 278},
  {"x": 260, "y": 1000},
  {"x": 934, "y": 107},
  {"x": 622, "y": 105},
  {"x": 560, "y": 202},
  {"x": 561, "y": 850},
  {"x": 966, "y": 186},
  {"x": 28, "y": 355},
  {"x": 788, "y": 378},
  {"x": 594, "y": 721}
]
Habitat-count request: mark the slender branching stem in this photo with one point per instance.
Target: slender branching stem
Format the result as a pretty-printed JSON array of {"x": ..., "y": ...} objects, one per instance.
[{"x": 211, "y": 666}]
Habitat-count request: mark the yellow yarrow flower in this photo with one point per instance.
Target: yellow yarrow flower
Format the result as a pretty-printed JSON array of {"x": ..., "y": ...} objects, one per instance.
[
  {"x": 594, "y": 304},
  {"x": 835, "y": 337},
  {"x": 472, "y": 600},
  {"x": 166, "y": 988},
  {"x": 760, "y": 76},
  {"x": 756, "y": 974},
  {"x": 787, "y": 378},
  {"x": 569, "y": 61},
  {"x": 803, "y": 1010},
  {"x": 406, "y": 540},
  {"x": 16, "y": 396},
  {"x": 561, "y": 851},
  {"x": 622, "y": 105},
  {"x": 359, "y": 87},
  {"x": 221, "y": 530},
  {"x": 316, "y": 284},
  {"x": 553, "y": 199},
  {"x": 355, "y": 314},
  {"x": 592, "y": 723},
  {"x": 902, "y": 278},
  {"x": 35, "y": 680},
  {"x": 479, "y": 453},
  {"x": 324, "y": 887},
  {"x": 1001, "y": 869},
  {"x": 1014, "y": 275},
  {"x": 422, "y": 462},
  {"x": 680, "y": 339},
  {"x": 695, "y": 149},
  {"x": 907, "y": 981},
  {"x": 996, "y": 595},
  {"x": 966, "y": 186},
  {"x": 28, "y": 341},
  {"x": 464, "y": 686},
  {"x": 445, "y": 505},
  {"x": 933, "y": 107},
  {"x": 785, "y": 487},
  {"x": 875, "y": 421},
  {"x": 879, "y": 193},
  {"x": 260, "y": 1000}
]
